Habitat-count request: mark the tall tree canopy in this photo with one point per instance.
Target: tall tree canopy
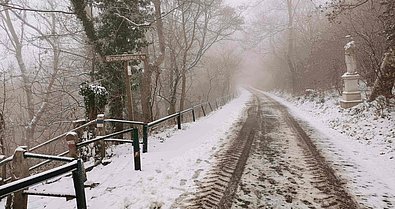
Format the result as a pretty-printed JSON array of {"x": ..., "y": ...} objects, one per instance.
[{"x": 119, "y": 28}]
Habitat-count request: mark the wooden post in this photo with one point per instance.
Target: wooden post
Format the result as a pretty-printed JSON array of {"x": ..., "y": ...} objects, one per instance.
[
  {"x": 72, "y": 139},
  {"x": 20, "y": 169},
  {"x": 126, "y": 58},
  {"x": 100, "y": 145},
  {"x": 128, "y": 92}
]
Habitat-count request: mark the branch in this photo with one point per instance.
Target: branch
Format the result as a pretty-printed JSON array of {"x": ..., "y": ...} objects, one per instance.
[
  {"x": 17, "y": 7},
  {"x": 133, "y": 23}
]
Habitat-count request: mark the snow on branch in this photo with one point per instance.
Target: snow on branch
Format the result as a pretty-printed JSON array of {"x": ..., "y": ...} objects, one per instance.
[
  {"x": 133, "y": 23},
  {"x": 17, "y": 7}
]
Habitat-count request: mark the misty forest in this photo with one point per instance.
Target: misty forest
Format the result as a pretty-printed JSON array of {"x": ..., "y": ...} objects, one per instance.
[{"x": 141, "y": 63}]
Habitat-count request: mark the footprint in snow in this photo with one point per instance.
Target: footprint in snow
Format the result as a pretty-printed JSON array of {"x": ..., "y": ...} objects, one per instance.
[
  {"x": 197, "y": 173},
  {"x": 156, "y": 205},
  {"x": 183, "y": 182}
]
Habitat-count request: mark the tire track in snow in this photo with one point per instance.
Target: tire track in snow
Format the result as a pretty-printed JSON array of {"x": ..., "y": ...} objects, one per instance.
[
  {"x": 218, "y": 188},
  {"x": 289, "y": 172},
  {"x": 272, "y": 163}
]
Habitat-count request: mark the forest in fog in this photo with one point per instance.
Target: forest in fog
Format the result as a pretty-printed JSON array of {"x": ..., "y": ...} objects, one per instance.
[{"x": 54, "y": 66}]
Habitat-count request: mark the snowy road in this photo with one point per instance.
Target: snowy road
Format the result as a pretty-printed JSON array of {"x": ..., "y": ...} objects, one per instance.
[
  {"x": 272, "y": 163},
  {"x": 251, "y": 153},
  {"x": 285, "y": 170}
]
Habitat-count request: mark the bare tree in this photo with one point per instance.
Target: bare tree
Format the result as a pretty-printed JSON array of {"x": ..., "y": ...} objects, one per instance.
[
  {"x": 40, "y": 71},
  {"x": 192, "y": 30},
  {"x": 153, "y": 65}
]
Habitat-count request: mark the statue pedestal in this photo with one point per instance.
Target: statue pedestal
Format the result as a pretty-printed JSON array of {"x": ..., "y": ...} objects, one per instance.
[{"x": 351, "y": 95}]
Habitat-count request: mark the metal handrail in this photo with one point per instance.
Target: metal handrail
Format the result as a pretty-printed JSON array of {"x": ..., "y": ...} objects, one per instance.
[
  {"x": 47, "y": 157},
  {"x": 187, "y": 110},
  {"x": 145, "y": 126},
  {"x": 60, "y": 136},
  {"x": 76, "y": 167},
  {"x": 47, "y": 161},
  {"x": 84, "y": 143},
  {"x": 160, "y": 120},
  {"x": 6, "y": 160},
  {"x": 124, "y": 121},
  {"x": 21, "y": 184}
]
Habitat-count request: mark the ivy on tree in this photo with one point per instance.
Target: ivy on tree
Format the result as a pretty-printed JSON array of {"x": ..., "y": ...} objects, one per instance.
[
  {"x": 118, "y": 27},
  {"x": 117, "y": 33},
  {"x": 95, "y": 99}
]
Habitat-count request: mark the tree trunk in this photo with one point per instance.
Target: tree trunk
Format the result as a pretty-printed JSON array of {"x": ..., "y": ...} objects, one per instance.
[
  {"x": 386, "y": 76},
  {"x": 146, "y": 93},
  {"x": 174, "y": 80},
  {"x": 2, "y": 148},
  {"x": 27, "y": 88},
  {"x": 79, "y": 7},
  {"x": 173, "y": 97},
  {"x": 183, "y": 89},
  {"x": 290, "y": 52}
]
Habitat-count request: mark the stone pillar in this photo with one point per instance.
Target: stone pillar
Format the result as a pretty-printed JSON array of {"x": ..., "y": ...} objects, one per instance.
[
  {"x": 351, "y": 95},
  {"x": 101, "y": 131},
  {"x": 72, "y": 139}
]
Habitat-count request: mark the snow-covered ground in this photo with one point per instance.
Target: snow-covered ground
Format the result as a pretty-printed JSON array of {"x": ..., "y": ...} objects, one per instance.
[
  {"x": 175, "y": 159},
  {"x": 359, "y": 142},
  {"x": 370, "y": 123}
]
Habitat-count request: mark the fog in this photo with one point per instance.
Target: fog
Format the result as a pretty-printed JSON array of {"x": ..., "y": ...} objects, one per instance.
[
  {"x": 253, "y": 49},
  {"x": 196, "y": 51},
  {"x": 268, "y": 52}
]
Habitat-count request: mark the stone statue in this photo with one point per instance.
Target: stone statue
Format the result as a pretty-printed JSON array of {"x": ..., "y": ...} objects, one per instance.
[
  {"x": 351, "y": 62},
  {"x": 351, "y": 95}
]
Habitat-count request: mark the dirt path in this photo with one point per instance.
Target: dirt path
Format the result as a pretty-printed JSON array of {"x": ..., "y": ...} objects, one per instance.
[{"x": 272, "y": 163}]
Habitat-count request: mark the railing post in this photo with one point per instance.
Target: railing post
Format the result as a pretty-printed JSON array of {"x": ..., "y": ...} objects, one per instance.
[
  {"x": 72, "y": 139},
  {"x": 179, "y": 120},
  {"x": 193, "y": 115},
  {"x": 20, "y": 169},
  {"x": 78, "y": 180},
  {"x": 2, "y": 170},
  {"x": 136, "y": 149},
  {"x": 204, "y": 112},
  {"x": 100, "y": 145},
  {"x": 145, "y": 138},
  {"x": 211, "y": 108}
]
